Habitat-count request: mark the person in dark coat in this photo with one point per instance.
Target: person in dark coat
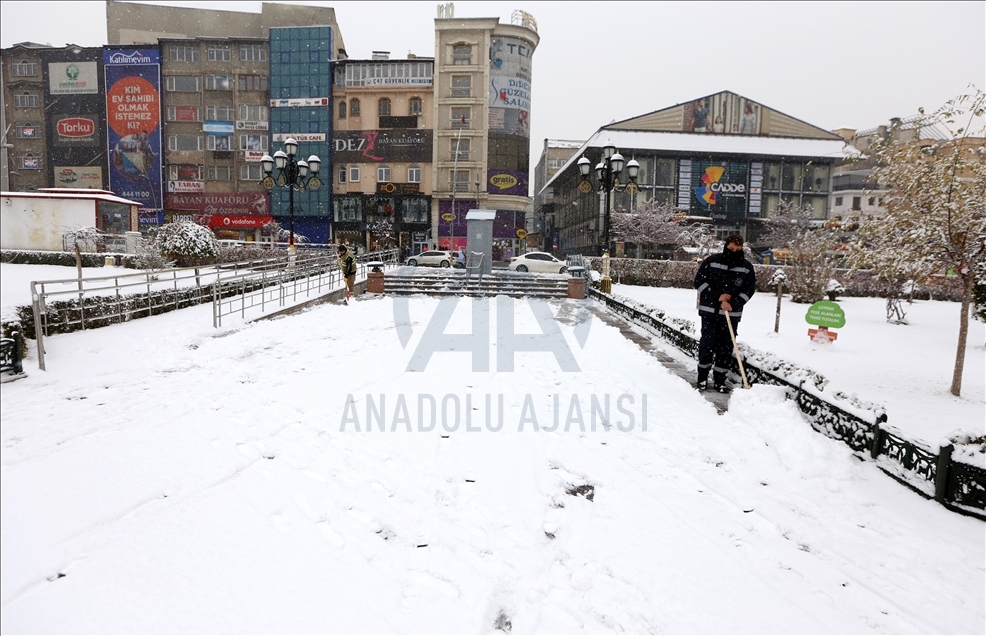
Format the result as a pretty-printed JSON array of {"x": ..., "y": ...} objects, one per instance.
[{"x": 725, "y": 283}]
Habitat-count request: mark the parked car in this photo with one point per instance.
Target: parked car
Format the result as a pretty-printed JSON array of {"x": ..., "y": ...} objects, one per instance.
[
  {"x": 432, "y": 258},
  {"x": 541, "y": 262}
]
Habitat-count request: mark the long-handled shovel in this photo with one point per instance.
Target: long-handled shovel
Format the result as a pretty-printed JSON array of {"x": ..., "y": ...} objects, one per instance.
[{"x": 739, "y": 356}]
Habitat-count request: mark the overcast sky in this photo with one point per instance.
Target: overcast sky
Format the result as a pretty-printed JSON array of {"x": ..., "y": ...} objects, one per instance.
[{"x": 832, "y": 64}]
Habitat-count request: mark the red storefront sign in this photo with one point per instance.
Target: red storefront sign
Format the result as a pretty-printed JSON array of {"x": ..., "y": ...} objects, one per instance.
[
  {"x": 220, "y": 203},
  {"x": 232, "y": 222}
]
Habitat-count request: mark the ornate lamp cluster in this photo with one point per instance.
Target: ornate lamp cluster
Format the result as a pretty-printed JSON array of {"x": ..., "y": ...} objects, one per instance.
[
  {"x": 292, "y": 174},
  {"x": 608, "y": 172}
]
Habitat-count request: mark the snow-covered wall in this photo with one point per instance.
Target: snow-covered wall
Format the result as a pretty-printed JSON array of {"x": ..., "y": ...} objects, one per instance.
[{"x": 34, "y": 223}]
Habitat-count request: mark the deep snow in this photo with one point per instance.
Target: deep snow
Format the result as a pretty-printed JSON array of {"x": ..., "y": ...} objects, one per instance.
[{"x": 187, "y": 479}]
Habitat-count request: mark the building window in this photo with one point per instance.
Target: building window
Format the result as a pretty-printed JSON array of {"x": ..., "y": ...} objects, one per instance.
[
  {"x": 459, "y": 180},
  {"x": 251, "y": 112},
  {"x": 461, "y": 55},
  {"x": 253, "y": 83},
  {"x": 218, "y": 52},
  {"x": 856, "y": 203},
  {"x": 354, "y": 173},
  {"x": 181, "y": 172},
  {"x": 30, "y": 162},
  {"x": 253, "y": 53},
  {"x": 26, "y": 130},
  {"x": 26, "y": 99},
  {"x": 180, "y": 53},
  {"x": 871, "y": 201},
  {"x": 414, "y": 174},
  {"x": 347, "y": 208},
  {"x": 354, "y": 107},
  {"x": 218, "y": 82},
  {"x": 461, "y": 86},
  {"x": 253, "y": 142},
  {"x": 838, "y": 202},
  {"x": 184, "y": 83},
  {"x": 219, "y": 142},
  {"x": 184, "y": 142},
  {"x": 219, "y": 113},
  {"x": 251, "y": 172},
  {"x": 383, "y": 107},
  {"x": 461, "y": 118},
  {"x": 220, "y": 173},
  {"x": 342, "y": 174},
  {"x": 415, "y": 211},
  {"x": 24, "y": 68},
  {"x": 459, "y": 149},
  {"x": 342, "y": 109},
  {"x": 383, "y": 173},
  {"x": 414, "y": 106}
]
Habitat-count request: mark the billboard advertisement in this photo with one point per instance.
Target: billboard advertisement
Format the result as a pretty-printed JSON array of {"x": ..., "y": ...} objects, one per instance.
[
  {"x": 719, "y": 189},
  {"x": 725, "y": 113},
  {"x": 510, "y": 86},
  {"x": 133, "y": 116},
  {"x": 73, "y": 78},
  {"x": 79, "y": 177},
  {"x": 506, "y": 182},
  {"x": 220, "y": 203},
  {"x": 355, "y": 146},
  {"x": 75, "y": 129}
]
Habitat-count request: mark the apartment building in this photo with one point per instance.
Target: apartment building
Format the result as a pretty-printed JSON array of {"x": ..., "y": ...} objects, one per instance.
[
  {"x": 382, "y": 144},
  {"x": 482, "y": 111}
]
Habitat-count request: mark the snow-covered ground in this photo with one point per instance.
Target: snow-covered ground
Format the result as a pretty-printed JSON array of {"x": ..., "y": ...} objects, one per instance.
[
  {"x": 905, "y": 368},
  {"x": 165, "y": 476}
]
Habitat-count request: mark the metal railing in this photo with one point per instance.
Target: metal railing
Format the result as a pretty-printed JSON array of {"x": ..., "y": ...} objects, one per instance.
[
  {"x": 933, "y": 473},
  {"x": 309, "y": 275},
  {"x": 73, "y": 304}
]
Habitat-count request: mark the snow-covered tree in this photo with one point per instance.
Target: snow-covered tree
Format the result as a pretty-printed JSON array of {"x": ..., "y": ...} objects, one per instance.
[
  {"x": 657, "y": 223},
  {"x": 281, "y": 235},
  {"x": 187, "y": 243},
  {"x": 936, "y": 208},
  {"x": 794, "y": 228}
]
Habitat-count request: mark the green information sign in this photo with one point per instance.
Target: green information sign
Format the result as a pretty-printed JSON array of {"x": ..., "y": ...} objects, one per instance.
[{"x": 826, "y": 313}]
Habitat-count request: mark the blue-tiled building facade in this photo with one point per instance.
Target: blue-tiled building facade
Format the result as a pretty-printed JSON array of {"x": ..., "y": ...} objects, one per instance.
[{"x": 301, "y": 107}]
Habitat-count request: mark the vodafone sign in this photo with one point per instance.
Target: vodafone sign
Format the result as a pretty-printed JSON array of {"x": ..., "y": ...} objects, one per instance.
[
  {"x": 77, "y": 129},
  {"x": 238, "y": 222}
]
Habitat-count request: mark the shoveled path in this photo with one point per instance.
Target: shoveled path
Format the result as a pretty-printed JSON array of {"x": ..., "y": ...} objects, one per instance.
[{"x": 685, "y": 372}]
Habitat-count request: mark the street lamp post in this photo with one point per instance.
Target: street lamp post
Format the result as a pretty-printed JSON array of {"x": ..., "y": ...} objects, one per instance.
[
  {"x": 291, "y": 174},
  {"x": 608, "y": 172}
]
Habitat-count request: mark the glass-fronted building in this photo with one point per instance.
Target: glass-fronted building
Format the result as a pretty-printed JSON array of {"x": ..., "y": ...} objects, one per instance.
[{"x": 720, "y": 159}]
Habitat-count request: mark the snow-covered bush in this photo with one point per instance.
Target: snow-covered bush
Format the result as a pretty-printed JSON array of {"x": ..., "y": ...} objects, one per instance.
[
  {"x": 777, "y": 278},
  {"x": 148, "y": 256},
  {"x": 188, "y": 244},
  {"x": 834, "y": 288}
]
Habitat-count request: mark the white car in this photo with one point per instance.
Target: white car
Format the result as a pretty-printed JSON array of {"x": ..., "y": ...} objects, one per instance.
[
  {"x": 541, "y": 262},
  {"x": 432, "y": 258}
]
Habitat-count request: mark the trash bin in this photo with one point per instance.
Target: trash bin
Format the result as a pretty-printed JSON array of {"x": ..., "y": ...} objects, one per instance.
[
  {"x": 576, "y": 284},
  {"x": 374, "y": 283}
]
